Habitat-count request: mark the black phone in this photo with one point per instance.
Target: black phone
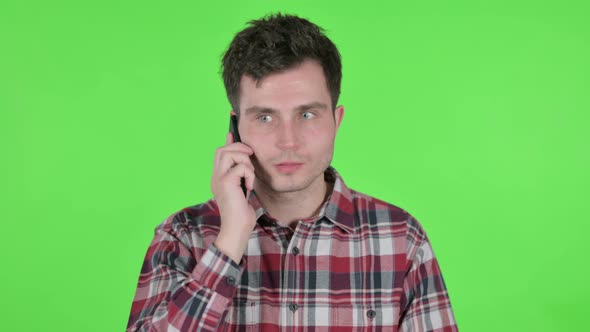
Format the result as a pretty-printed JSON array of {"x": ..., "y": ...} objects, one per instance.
[{"x": 233, "y": 129}]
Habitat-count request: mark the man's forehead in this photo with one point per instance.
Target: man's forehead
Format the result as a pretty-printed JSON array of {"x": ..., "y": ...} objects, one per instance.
[{"x": 300, "y": 87}]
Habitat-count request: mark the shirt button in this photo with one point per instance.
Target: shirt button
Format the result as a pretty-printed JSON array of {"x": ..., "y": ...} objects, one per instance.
[
  {"x": 371, "y": 313},
  {"x": 295, "y": 251},
  {"x": 293, "y": 307},
  {"x": 231, "y": 281}
]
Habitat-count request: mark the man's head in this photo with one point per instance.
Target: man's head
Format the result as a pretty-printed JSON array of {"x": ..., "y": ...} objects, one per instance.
[
  {"x": 276, "y": 43},
  {"x": 283, "y": 79}
]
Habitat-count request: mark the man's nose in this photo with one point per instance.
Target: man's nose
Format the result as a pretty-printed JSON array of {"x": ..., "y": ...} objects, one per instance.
[{"x": 287, "y": 135}]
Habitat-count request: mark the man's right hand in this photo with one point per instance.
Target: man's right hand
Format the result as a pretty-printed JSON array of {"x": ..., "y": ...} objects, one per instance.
[{"x": 238, "y": 218}]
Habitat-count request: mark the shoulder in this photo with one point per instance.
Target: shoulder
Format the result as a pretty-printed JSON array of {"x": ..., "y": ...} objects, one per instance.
[
  {"x": 375, "y": 212},
  {"x": 378, "y": 218},
  {"x": 200, "y": 219},
  {"x": 367, "y": 204},
  {"x": 371, "y": 209}
]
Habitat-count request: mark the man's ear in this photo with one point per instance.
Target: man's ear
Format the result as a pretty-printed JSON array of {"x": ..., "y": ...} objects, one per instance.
[
  {"x": 338, "y": 116},
  {"x": 231, "y": 112}
]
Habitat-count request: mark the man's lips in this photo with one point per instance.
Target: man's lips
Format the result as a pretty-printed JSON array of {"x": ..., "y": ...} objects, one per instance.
[{"x": 288, "y": 166}]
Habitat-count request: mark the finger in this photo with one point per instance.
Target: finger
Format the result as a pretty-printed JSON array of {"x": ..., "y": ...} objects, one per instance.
[
  {"x": 237, "y": 147},
  {"x": 229, "y": 138},
  {"x": 233, "y": 161},
  {"x": 250, "y": 182},
  {"x": 229, "y": 160},
  {"x": 241, "y": 171},
  {"x": 249, "y": 179},
  {"x": 226, "y": 165},
  {"x": 233, "y": 147}
]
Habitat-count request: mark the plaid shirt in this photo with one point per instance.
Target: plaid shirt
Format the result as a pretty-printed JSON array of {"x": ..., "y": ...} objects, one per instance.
[{"x": 361, "y": 264}]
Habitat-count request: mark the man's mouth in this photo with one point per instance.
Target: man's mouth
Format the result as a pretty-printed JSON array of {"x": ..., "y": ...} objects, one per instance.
[{"x": 288, "y": 166}]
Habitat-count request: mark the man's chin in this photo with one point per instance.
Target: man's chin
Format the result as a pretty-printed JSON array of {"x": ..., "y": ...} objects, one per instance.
[{"x": 282, "y": 184}]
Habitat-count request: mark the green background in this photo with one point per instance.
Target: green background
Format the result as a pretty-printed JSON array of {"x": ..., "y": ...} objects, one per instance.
[{"x": 472, "y": 115}]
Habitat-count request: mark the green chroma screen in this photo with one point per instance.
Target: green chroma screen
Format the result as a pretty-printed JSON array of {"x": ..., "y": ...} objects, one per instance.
[{"x": 471, "y": 115}]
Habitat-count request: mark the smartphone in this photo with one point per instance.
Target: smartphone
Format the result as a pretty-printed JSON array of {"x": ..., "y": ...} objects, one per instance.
[{"x": 233, "y": 129}]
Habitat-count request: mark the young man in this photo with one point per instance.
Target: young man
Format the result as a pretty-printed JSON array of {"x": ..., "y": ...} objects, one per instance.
[{"x": 301, "y": 251}]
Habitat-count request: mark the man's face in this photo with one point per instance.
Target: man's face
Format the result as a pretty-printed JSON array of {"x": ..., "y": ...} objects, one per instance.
[{"x": 288, "y": 121}]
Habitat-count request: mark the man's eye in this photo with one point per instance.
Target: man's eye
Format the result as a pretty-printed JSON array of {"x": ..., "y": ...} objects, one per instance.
[
  {"x": 265, "y": 118},
  {"x": 307, "y": 115}
]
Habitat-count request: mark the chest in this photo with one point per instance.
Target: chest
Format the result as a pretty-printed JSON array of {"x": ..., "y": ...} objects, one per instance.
[
  {"x": 325, "y": 263},
  {"x": 321, "y": 278}
]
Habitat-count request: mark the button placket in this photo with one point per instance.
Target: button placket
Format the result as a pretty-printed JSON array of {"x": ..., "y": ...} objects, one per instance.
[
  {"x": 230, "y": 281},
  {"x": 292, "y": 260},
  {"x": 293, "y": 307}
]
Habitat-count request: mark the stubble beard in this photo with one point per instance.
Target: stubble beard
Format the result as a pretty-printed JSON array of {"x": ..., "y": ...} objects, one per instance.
[{"x": 284, "y": 184}]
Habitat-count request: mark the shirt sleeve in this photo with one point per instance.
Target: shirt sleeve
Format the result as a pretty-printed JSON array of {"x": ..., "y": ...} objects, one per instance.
[
  {"x": 176, "y": 292},
  {"x": 426, "y": 303}
]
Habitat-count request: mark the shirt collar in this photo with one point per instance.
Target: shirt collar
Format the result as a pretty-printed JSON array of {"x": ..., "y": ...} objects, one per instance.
[{"x": 338, "y": 208}]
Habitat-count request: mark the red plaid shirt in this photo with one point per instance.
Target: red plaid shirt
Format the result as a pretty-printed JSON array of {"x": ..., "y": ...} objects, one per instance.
[{"x": 360, "y": 265}]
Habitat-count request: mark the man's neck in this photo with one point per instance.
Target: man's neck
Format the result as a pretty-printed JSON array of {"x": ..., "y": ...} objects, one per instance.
[{"x": 289, "y": 208}]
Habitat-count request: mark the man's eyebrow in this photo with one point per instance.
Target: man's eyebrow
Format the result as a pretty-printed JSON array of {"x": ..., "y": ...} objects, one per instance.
[
  {"x": 304, "y": 107},
  {"x": 259, "y": 109},
  {"x": 310, "y": 106}
]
